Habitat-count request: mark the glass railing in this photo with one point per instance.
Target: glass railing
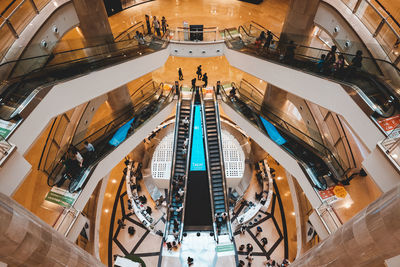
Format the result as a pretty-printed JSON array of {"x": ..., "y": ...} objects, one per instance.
[
  {"x": 391, "y": 144},
  {"x": 29, "y": 75},
  {"x": 208, "y": 34},
  {"x": 316, "y": 160},
  {"x": 381, "y": 24},
  {"x": 380, "y": 94},
  {"x": 131, "y": 32},
  {"x": 14, "y": 17},
  {"x": 100, "y": 139}
]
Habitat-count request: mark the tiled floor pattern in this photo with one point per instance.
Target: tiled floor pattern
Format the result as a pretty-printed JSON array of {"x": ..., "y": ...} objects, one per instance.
[
  {"x": 276, "y": 233},
  {"x": 147, "y": 245}
]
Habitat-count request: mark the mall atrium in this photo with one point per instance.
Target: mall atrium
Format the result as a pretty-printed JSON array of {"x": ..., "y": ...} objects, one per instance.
[{"x": 200, "y": 133}]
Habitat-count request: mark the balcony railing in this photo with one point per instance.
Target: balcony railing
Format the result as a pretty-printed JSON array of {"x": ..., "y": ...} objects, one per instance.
[
  {"x": 14, "y": 17},
  {"x": 382, "y": 25}
]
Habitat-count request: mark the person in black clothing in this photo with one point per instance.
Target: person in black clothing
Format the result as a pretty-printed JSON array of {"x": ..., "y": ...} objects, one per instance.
[
  {"x": 264, "y": 241},
  {"x": 180, "y": 74},
  {"x": 218, "y": 87},
  {"x": 176, "y": 88},
  {"x": 268, "y": 40},
  {"x": 330, "y": 60},
  {"x": 205, "y": 80},
  {"x": 148, "y": 24},
  {"x": 163, "y": 25},
  {"x": 194, "y": 83},
  {"x": 198, "y": 72},
  {"x": 289, "y": 54},
  {"x": 356, "y": 61}
]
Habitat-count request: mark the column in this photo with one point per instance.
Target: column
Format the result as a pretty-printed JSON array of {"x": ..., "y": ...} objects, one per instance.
[
  {"x": 95, "y": 27},
  {"x": 368, "y": 239},
  {"x": 26, "y": 240},
  {"x": 299, "y": 21}
]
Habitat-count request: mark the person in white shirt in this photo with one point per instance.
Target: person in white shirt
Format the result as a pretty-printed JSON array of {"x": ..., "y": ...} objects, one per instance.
[{"x": 79, "y": 158}]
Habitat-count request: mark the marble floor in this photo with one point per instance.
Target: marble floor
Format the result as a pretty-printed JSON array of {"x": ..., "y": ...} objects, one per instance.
[{"x": 277, "y": 222}]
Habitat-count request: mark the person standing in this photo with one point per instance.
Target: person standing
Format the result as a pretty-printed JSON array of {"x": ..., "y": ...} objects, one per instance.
[
  {"x": 148, "y": 24},
  {"x": 163, "y": 25},
  {"x": 180, "y": 74},
  {"x": 90, "y": 152},
  {"x": 198, "y": 72},
  {"x": 218, "y": 87},
  {"x": 156, "y": 25},
  {"x": 194, "y": 83},
  {"x": 205, "y": 80},
  {"x": 268, "y": 40}
]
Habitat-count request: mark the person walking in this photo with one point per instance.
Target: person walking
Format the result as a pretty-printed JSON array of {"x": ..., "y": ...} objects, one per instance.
[
  {"x": 148, "y": 24},
  {"x": 205, "y": 80},
  {"x": 180, "y": 74},
  {"x": 194, "y": 83},
  {"x": 198, "y": 72},
  {"x": 163, "y": 25},
  {"x": 156, "y": 25}
]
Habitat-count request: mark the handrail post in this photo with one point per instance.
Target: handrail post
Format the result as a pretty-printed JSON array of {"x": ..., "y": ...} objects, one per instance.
[
  {"x": 11, "y": 28},
  {"x": 379, "y": 28},
  {"x": 34, "y": 6},
  {"x": 355, "y": 9}
]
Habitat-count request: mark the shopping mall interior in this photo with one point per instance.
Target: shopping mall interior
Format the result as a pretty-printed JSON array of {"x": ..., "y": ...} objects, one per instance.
[{"x": 200, "y": 133}]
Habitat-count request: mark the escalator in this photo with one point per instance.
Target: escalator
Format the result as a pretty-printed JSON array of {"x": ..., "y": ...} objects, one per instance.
[
  {"x": 215, "y": 163},
  {"x": 198, "y": 209},
  {"x": 105, "y": 140},
  {"x": 369, "y": 84},
  {"x": 320, "y": 166},
  {"x": 184, "y": 111},
  {"x": 36, "y": 75}
]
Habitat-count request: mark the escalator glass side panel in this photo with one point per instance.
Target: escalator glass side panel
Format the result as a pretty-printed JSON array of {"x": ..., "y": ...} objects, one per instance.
[
  {"x": 273, "y": 132},
  {"x": 197, "y": 159},
  {"x": 121, "y": 134},
  {"x": 379, "y": 93},
  {"x": 102, "y": 143}
]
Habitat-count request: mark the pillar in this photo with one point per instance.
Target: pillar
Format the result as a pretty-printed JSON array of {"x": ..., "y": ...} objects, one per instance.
[
  {"x": 299, "y": 21},
  {"x": 95, "y": 27},
  {"x": 28, "y": 241},
  {"x": 368, "y": 239}
]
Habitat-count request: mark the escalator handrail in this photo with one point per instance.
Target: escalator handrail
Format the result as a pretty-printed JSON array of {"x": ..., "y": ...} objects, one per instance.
[
  {"x": 301, "y": 162},
  {"x": 174, "y": 153},
  {"x": 325, "y": 50},
  {"x": 354, "y": 87},
  {"x": 129, "y": 30},
  {"x": 129, "y": 110},
  {"x": 208, "y": 165},
  {"x": 326, "y": 152},
  {"x": 188, "y": 159},
  {"x": 222, "y": 162},
  {"x": 263, "y": 29},
  {"x": 101, "y": 157},
  {"x": 244, "y": 30}
]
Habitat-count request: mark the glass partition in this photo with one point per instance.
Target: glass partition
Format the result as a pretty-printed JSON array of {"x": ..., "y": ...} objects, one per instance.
[
  {"x": 209, "y": 34},
  {"x": 379, "y": 94},
  {"x": 100, "y": 139},
  {"x": 378, "y": 20},
  {"x": 31, "y": 74},
  {"x": 391, "y": 146},
  {"x": 320, "y": 165}
]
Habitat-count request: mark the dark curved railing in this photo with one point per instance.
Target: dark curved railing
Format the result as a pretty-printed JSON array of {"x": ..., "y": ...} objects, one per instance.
[
  {"x": 145, "y": 109},
  {"x": 319, "y": 164},
  {"x": 26, "y": 84},
  {"x": 379, "y": 94}
]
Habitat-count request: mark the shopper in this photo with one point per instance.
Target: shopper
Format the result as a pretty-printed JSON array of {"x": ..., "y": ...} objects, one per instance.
[
  {"x": 259, "y": 230},
  {"x": 180, "y": 74},
  {"x": 148, "y": 24},
  {"x": 198, "y": 72},
  {"x": 205, "y": 80},
  {"x": 264, "y": 241},
  {"x": 164, "y": 25},
  {"x": 194, "y": 83},
  {"x": 268, "y": 41},
  {"x": 218, "y": 87},
  {"x": 156, "y": 25}
]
